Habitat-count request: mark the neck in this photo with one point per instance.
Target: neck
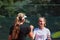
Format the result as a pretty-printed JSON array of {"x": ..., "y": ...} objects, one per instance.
[{"x": 41, "y": 27}]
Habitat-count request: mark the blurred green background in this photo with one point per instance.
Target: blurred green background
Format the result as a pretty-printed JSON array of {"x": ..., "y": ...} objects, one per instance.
[{"x": 33, "y": 9}]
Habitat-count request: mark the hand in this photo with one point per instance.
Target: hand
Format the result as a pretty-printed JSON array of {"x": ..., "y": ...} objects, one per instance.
[{"x": 32, "y": 27}]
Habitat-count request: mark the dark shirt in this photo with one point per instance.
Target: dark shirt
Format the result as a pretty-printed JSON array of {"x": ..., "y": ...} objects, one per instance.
[{"x": 24, "y": 30}]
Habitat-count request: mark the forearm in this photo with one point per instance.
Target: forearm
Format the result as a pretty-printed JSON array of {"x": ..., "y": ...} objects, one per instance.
[
  {"x": 32, "y": 39},
  {"x": 49, "y": 38},
  {"x": 31, "y": 32},
  {"x": 10, "y": 37}
]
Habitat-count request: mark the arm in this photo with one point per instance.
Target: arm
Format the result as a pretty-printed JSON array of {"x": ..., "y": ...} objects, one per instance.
[
  {"x": 10, "y": 33},
  {"x": 10, "y": 37},
  {"x": 49, "y": 38},
  {"x": 31, "y": 32},
  {"x": 48, "y": 35}
]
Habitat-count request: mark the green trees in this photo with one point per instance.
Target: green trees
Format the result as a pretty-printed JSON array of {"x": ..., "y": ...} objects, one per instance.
[
  {"x": 30, "y": 7},
  {"x": 12, "y": 7}
]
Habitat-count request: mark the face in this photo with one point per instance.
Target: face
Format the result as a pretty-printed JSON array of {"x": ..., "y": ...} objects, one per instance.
[{"x": 41, "y": 22}]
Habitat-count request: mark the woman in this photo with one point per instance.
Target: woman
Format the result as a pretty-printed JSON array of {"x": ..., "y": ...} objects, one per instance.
[
  {"x": 41, "y": 33},
  {"x": 20, "y": 29}
]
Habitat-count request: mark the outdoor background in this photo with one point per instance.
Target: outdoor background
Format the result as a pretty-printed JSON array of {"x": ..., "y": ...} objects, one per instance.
[{"x": 33, "y": 9}]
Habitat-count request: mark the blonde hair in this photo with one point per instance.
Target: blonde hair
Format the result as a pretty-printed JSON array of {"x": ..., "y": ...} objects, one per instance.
[
  {"x": 16, "y": 26},
  {"x": 20, "y": 15}
]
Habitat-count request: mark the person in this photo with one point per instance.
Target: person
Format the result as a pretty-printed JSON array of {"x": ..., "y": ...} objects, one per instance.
[
  {"x": 42, "y": 33},
  {"x": 20, "y": 29}
]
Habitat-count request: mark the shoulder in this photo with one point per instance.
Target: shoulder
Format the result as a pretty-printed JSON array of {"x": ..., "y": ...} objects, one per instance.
[
  {"x": 36, "y": 29},
  {"x": 47, "y": 29},
  {"x": 26, "y": 24}
]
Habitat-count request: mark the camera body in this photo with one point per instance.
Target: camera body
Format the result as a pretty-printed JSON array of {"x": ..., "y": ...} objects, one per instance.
[{"x": 20, "y": 18}]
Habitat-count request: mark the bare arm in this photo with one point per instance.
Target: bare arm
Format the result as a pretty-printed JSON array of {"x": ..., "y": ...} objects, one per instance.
[
  {"x": 31, "y": 32},
  {"x": 49, "y": 35},
  {"x": 10, "y": 37},
  {"x": 49, "y": 38}
]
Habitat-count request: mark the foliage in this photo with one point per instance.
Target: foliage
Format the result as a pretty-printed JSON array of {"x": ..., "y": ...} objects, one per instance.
[
  {"x": 12, "y": 7},
  {"x": 56, "y": 35}
]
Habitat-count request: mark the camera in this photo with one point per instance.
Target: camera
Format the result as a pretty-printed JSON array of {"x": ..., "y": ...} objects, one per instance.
[{"x": 20, "y": 18}]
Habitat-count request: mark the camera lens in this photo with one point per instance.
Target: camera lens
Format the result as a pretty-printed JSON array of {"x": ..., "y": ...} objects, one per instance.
[{"x": 20, "y": 18}]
